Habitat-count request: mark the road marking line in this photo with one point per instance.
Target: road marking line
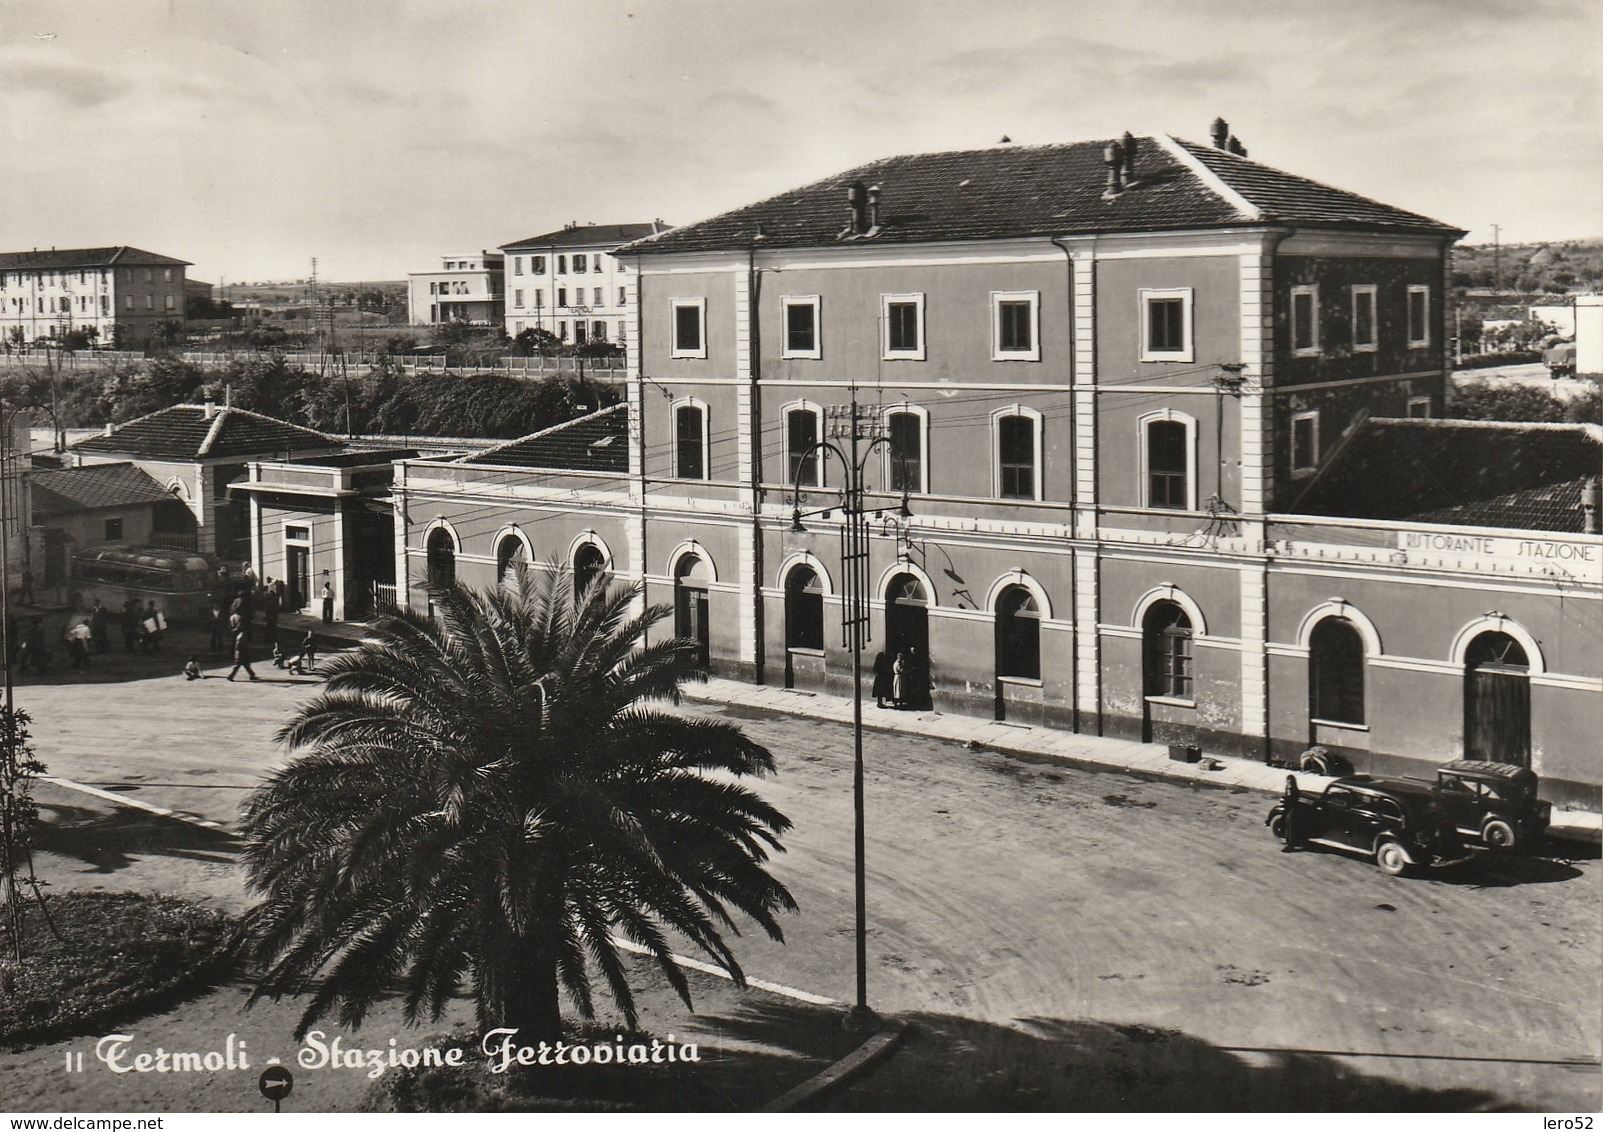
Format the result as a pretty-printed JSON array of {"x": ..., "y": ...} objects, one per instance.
[
  {"x": 712, "y": 969},
  {"x": 123, "y": 799}
]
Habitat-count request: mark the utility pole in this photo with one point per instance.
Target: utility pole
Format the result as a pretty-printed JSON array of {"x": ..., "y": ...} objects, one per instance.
[{"x": 1497, "y": 260}]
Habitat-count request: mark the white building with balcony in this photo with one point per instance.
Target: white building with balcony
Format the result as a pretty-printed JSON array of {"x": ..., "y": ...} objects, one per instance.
[
  {"x": 466, "y": 288},
  {"x": 568, "y": 283}
]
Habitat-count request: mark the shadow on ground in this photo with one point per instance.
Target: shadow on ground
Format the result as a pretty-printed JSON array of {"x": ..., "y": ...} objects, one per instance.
[
  {"x": 108, "y": 840},
  {"x": 1049, "y": 1064}
]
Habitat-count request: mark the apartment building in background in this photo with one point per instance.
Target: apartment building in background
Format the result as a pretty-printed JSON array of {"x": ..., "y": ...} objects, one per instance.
[
  {"x": 569, "y": 284},
  {"x": 122, "y": 294},
  {"x": 466, "y": 288}
]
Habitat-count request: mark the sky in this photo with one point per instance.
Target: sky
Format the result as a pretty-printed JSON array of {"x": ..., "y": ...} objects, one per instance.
[{"x": 381, "y": 136}]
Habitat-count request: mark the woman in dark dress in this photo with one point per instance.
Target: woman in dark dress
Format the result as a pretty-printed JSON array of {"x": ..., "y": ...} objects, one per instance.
[{"x": 884, "y": 680}]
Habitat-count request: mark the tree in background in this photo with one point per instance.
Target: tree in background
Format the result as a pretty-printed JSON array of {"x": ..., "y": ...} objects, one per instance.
[{"x": 485, "y": 796}]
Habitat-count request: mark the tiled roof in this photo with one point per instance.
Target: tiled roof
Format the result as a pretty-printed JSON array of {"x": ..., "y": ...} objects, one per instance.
[
  {"x": 1471, "y": 473},
  {"x": 187, "y": 432},
  {"x": 588, "y": 235},
  {"x": 93, "y": 486},
  {"x": 598, "y": 442},
  {"x": 56, "y": 259},
  {"x": 1042, "y": 190}
]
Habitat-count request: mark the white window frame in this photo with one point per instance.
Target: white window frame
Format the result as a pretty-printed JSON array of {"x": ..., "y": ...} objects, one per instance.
[
  {"x": 923, "y": 416},
  {"x": 1188, "y": 351},
  {"x": 1300, "y": 470},
  {"x": 1415, "y": 401},
  {"x": 706, "y": 438},
  {"x": 886, "y": 353},
  {"x": 699, "y": 305},
  {"x": 996, "y": 452},
  {"x": 1369, "y": 347},
  {"x": 820, "y": 467},
  {"x": 1143, "y": 467},
  {"x": 785, "y": 303},
  {"x": 517, "y": 297},
  {"x": 517, "y": 265},
  {"x": 1312, "y": 291},
  {"x": 1033, "y": 354},
  {"x": 1408, "y": 316}
]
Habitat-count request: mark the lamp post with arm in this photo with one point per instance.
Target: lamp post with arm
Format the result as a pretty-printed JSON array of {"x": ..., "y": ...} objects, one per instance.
[{"x": 852, "y": 437}]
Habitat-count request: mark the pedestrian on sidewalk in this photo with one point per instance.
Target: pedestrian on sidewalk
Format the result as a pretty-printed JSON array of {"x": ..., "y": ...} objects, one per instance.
[
  {"x": 884, "y": 679},
  {"x": 901, "y": 674},
  {"x": 78, "y": 638},
  {"x": 328, "y": 599},
  {"x": 271, "y": 604},
  {"x": 99, "y": 626},
  {"x": 306, "y": 660},
  {"x": 130, "y": 624},
  {"x": 242, "y": 658},
  {"x": 155, "y": 626}
]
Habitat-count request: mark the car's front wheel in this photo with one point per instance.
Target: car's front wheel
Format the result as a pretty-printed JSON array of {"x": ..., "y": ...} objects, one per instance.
[
  {"x": 1390, "y": 858},
  {"x": 1498, "y": 834},
  {"x": 1277, "y": 825}
]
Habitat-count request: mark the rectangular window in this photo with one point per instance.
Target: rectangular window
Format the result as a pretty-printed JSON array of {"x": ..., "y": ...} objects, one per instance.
[
  {"x": 1305, "y": 321},
  {"x": 113, "y": 530},
  {"x": 623, "y": 296},
  {"x": 690, "y": 439},
  {"x": 1166, "y": 325},
  {"x": 1418, "y": 315},
  {"x": 580, "y": 332},
  {"x": 517, "y": 297},
  {"x": 1015, "y": 440},
  {"x": 1014, "y": 326},
  {"x": 537, "y": 264},
  {"x": 801, "y": 326},
  {"x": 1304, "y": 443},
  {"x": 105, "y": 304},
  {"x": 597, "y": 300},
  {"x": 903, "y": 318},
  {"x": 168, "y": 302},
  {"x": 562, "y": 329},
  {"x": 539, "y": 299},
  {"x": 1364, "y": 317},
  {"x": 562, "y": 296},
  {"x": 1419, "y": 407},
  {"x": 150, "y": 302},
  {"x": 801, "y": 433},
  {"x": 579, "y": 265},
  {"x": 689, "y": 338},
  {"x": 562, "y": 265},
  {"x": 517, "y": 265},
  {"x": 622, "y": 332},
  {"x": 598, "y": 331}
]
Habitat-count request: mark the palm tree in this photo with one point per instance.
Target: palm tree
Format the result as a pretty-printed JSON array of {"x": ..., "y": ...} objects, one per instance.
[{"x": 485, "y": 798}]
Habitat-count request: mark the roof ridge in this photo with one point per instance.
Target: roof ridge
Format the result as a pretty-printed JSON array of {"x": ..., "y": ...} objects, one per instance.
[
  {"x": 472, "y": 456},
  {"x": 1210, "y": 180}
]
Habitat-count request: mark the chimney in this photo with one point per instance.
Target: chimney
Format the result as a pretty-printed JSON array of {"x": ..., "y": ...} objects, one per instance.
[
  {"x": 1589, "y": 501},
  {"x": 1221, "y": 133},
  {"x": 1235, "y": 146},
  {"x": 1113, "y": 158},
  {"x": 1128, "y": 142},
  {"x": 210, "y": 410},
  {"x": 857, "y": 198},
  {"x": 873, "y": 207}
]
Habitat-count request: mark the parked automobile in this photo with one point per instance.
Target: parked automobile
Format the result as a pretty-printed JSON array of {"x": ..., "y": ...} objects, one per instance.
[
  {"x": 1493, "y": 804},
  {"x": 1394, "y": 822},
  {"x": 1560, "y": 360}
]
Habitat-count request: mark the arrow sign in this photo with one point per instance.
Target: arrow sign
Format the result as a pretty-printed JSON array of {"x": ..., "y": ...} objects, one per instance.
[{"x": 276, "y": 1083}]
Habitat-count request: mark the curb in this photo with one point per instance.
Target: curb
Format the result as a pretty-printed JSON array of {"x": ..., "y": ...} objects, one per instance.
[{"x": 879, "y": 1046}]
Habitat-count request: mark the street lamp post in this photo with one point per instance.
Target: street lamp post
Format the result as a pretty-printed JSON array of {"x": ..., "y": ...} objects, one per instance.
[{"x": 848, "y": 423}]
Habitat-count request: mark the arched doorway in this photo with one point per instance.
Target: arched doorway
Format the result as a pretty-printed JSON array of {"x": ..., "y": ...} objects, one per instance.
[
  {"x": 588, "y": 565},
  {"x": 690, "y": 605},
  {"x": 804, "y": 618},
  {"x": 1018, "y": 640},
  {"x": 441, "y": 554},
  {"x": 1497, "y": 700},
  {"x": 1166, "y": 651},
  {"x": 907, "y": 630},
  {"x": 510, "y": 554}
]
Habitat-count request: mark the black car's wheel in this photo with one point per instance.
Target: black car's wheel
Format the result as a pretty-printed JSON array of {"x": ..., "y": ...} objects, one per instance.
[
  {"x": 1390, "y": 858},
  {"x": 1498, "y": 834},
  {"x": 1277, "y": 825}
]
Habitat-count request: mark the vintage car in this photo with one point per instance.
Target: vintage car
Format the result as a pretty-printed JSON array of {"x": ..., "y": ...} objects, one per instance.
[
  {"x": 1492, "y": 804},
  {"x": 1394, "y": 822}
]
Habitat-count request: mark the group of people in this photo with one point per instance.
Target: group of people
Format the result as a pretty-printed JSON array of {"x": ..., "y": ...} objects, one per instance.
[
  {"x": 903, "y": 681},
  {"x": 143, "y": 626},
  {"x": 234, "y": 605}
]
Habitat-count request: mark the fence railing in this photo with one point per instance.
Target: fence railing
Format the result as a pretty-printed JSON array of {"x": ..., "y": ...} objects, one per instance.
[
  {"x": 384, "y": 598},
  {"x": 176, "y": 540}
]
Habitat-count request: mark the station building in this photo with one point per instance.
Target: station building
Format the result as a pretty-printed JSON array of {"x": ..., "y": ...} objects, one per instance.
[{"x": 1150, "y": 445}]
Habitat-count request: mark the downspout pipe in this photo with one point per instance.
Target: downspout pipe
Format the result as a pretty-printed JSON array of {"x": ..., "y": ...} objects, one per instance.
[
  {"x": 754, "y": 288},
  {"x": 1074, "y": 554}
]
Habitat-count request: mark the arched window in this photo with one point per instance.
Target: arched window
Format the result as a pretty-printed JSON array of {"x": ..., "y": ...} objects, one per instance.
[
  {"x": 905, "y": 460},
  {"x": 1168, "y": 464},
  {"x": 1017, "y": 474},
  {"x": 1497, "y": 700},
  {"x": 1018, "y": 634},
  {"x": 1336, "y": 672},
  {"x": 690, "y": 441},
  {"x": 441, "y": 559},
  {"x": 802, "y": 466},
  {"x": 588, "y": 565},
  {"x": 1166, "y": 641},
  {"x": 804, "y": 609},
  {"x": 510, "y": 553},
  {"x": 691, "y": 611}
]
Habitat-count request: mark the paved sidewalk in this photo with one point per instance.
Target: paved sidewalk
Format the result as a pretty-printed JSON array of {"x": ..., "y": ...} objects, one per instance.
[{"x": 1092, "y": 750}]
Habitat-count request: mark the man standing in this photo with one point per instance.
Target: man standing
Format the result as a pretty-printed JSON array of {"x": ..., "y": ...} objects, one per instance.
[
  {"x": 270, "y": 604},
  {"x": 328, "y": 599}
]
